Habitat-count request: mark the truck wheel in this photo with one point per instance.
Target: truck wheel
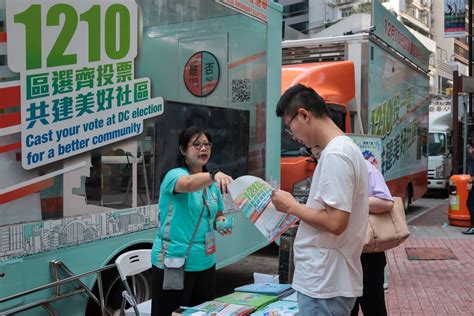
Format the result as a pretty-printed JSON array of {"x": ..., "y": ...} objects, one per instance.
[{"x": 408, "y": 198}]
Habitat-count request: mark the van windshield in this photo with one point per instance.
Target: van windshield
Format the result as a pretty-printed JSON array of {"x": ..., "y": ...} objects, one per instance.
[{"x": 436, "y": 144}]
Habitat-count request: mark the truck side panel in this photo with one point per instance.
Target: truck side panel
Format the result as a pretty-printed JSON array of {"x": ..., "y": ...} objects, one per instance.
[
  {"x": 398, "y": 112},
  {"x": 164, "y": 48}
]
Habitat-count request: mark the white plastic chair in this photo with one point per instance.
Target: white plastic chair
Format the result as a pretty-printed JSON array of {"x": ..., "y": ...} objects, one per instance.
[{"x": 128, "y": 264}]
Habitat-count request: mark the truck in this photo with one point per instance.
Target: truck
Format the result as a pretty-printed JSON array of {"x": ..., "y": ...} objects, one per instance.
[
  {"x": 93, "y": 97},
  {"x": 440, "y": 157},
  {"x": 375, "y": 82}
]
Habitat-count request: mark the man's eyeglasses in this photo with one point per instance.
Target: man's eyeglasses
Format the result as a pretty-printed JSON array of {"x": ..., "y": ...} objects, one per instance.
[
  {"x": 287, "y": 126},
  {"x": 198, "y": 145}
]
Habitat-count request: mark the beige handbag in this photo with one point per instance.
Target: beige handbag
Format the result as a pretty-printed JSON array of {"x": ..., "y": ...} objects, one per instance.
[{"x": 386, "y": 230}]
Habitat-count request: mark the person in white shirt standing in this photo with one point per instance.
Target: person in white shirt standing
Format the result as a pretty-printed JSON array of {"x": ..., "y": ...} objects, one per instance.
[{"x": 331, "y": 233}]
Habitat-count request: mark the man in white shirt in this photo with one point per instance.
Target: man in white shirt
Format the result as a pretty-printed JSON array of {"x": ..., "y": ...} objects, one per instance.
[{"x": 330, "y": 237}]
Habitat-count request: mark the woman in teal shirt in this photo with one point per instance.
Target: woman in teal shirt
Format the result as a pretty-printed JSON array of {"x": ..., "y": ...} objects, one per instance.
[{"x": 182, "y": 195}]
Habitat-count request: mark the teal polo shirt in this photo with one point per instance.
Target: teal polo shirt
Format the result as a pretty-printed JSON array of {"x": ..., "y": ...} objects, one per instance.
[{"x": 178, "y": 216}]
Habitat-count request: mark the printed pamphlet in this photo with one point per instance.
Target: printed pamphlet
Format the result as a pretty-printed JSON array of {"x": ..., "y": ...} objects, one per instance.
[
  {"x": 253, "y": 197},
  {"x": 248, "y": 299},
  {"x": 279, "y": 290},
  {"x": 219, "y": 308}
]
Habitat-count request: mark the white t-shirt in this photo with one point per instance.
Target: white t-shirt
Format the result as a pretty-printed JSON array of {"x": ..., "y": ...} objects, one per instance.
[{"x": 327, "y": 265}]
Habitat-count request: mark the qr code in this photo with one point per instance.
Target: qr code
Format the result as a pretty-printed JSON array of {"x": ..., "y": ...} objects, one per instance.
[{"x": 241, "y": 90}]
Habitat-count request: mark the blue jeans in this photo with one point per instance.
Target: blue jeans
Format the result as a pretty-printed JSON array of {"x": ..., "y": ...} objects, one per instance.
[{"x": 336, "y": 306}]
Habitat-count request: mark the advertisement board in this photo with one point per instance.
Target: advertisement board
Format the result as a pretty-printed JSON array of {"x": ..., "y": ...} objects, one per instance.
[
  {"x": 454, "y": 18},
  {"x": 76, "y": 65},
  {"x": 398, "y": 112}
]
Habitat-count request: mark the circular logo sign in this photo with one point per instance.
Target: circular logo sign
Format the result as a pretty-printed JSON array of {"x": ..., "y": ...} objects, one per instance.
[{"x": 201, "y": 74}]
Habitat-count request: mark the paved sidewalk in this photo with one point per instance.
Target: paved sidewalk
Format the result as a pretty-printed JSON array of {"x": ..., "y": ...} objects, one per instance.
[
  {"x": 435, "y": 216},
  {"x": 432, "y": 287}
]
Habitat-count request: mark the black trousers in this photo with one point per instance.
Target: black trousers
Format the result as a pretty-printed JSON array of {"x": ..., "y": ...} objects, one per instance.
[
  {"x": 470, "y": 206},
  {"x": 199, "y": 287},
  {"x": 372, "y": 302}
]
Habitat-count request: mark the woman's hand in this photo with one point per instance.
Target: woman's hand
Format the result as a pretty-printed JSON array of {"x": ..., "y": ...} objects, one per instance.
[
  {"x": 222, "y": 181},
  {"x": 223, "y": 225}
]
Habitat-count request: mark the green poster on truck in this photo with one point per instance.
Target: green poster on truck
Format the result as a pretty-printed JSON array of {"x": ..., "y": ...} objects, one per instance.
[
  {"x": 398, "y": 96},
  {"x": 76, "y": 65},
  {"x": 398, "y": 112}
]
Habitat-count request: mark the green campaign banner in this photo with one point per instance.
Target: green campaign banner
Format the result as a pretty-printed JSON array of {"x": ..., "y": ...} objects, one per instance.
[
  {"x": 76, "y": 65},
  {"x": 396, "y": 35}
]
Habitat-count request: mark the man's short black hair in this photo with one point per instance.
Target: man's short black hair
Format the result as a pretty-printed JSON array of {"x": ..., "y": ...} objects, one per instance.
[{"x": 300, "y": 96}]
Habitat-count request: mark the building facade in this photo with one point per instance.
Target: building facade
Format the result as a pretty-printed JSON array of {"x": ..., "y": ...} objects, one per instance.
[
  {"x": 296, "y": 14},
  {"x": 424, "y": 18},
  {"x": 324, "y": 13}
]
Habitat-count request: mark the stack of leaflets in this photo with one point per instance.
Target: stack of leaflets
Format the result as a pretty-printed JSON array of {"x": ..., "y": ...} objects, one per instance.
[
  {"x": 188, "y": 311},
  {"x": 291, "y": 298},
  {"x": 212, "y": 308},
  {"x": 236, "y": 310},
  {"x": 253, "y": 300},
  {"x": 274, "y": 289},
  {"x": 220, "y": 308},
  {"x": 280, "y": 308}
]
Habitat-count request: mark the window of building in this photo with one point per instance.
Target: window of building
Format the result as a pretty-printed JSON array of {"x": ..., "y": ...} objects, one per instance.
[
  {"x": 346, "y": 12},
  {"x": 460, "y": 51},
  {"x": 302, "y": 27},
  {"x": 411, "y": 11},
  {"x": 444, "y": 83},
  {"x": 295, "y": 9}
]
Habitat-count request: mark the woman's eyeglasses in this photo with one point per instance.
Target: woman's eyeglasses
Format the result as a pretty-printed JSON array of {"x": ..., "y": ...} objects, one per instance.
[{"x": 198, "y": 145}]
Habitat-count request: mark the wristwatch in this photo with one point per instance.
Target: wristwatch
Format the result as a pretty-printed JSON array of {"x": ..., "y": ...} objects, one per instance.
[{"x": 213, "y": 173}]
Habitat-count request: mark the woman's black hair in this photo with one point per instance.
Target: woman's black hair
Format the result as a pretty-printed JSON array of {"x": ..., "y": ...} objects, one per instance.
[{"x": 184, "y": 139}]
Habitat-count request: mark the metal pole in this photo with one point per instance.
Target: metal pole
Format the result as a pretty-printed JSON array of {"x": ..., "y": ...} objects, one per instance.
[
  {"x": 469, "y": 39},
  {"x": 101, "y": 294},
  {"x": 465, "y": 117},
  {"x": 455, "y": 111},
  {"x": 471, "y": 52},
  {"x": 55, "y": 283}
]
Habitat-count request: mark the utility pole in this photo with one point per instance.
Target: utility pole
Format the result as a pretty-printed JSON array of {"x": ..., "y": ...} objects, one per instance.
[
  {"x": 469, "y": 116},
  {"x": 469, "y": 39},
  {"x": 455, "y": 111}
]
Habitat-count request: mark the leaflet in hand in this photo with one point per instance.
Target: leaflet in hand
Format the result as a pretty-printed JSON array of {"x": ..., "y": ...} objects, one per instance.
[{"x": 253, "y": 197}]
